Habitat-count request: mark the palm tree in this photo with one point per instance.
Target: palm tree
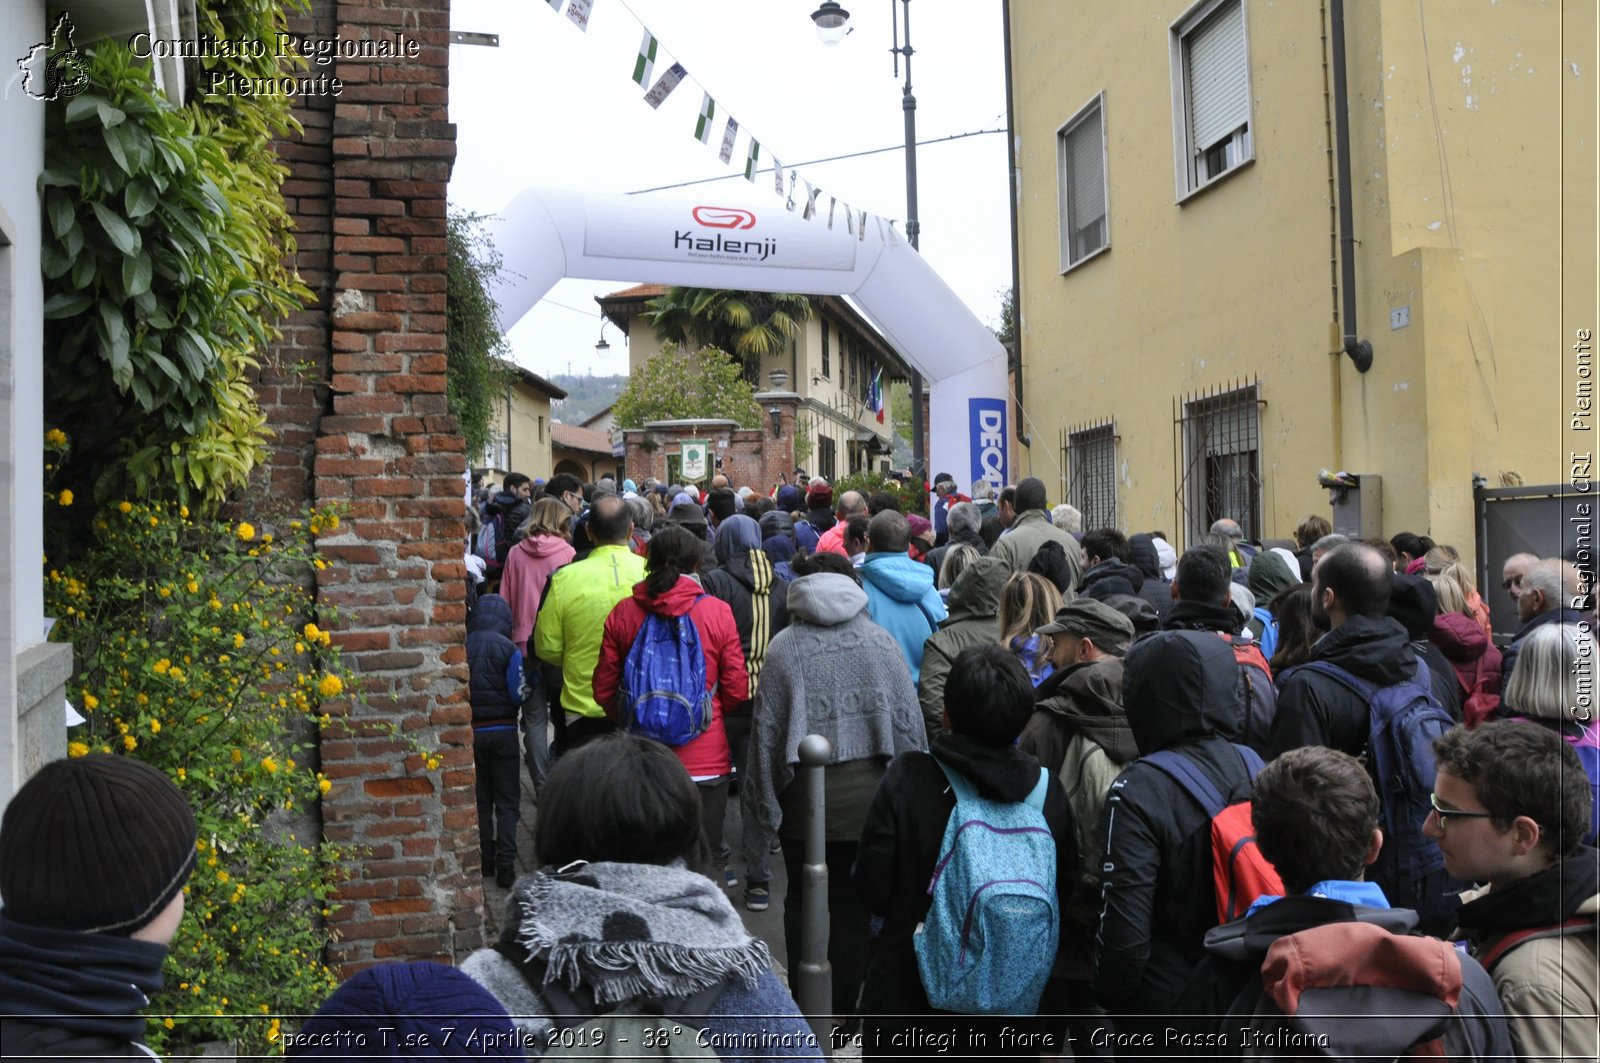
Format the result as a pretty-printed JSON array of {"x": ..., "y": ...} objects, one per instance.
[{"x": 748, "y": 325}]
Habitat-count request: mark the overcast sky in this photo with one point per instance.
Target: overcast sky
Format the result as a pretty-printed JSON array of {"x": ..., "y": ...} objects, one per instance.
[{"x": 553, "y": 107}]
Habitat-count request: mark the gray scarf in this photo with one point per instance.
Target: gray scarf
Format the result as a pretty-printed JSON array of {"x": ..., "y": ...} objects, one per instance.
[{"x": 618, "y": 931}]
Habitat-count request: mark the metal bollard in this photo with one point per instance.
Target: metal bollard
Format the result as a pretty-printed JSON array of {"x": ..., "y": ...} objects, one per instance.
[{"x": 814, "y": 991}]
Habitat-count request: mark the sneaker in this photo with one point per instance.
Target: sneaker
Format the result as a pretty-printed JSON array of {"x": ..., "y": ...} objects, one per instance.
[
  {"x": 756, "y": 897},
  {"x": 505, "y": 877},
  {"x": 729, "y": 878}
]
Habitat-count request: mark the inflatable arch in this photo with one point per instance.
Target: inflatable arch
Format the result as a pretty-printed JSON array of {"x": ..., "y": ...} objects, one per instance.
[{"x": 545, "y": 236}]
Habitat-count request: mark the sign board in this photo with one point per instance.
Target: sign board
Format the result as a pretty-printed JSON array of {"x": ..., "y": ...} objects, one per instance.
[
  {"x": 694, "y": 462},
  {"x": 986, "y": 423}
]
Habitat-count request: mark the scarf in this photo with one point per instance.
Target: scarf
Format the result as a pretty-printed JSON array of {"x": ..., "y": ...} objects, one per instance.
[
  {"x": 86, "y": 983},
  {"x": 1549, "y": 896},
  {"x": 627, "y": 930}
]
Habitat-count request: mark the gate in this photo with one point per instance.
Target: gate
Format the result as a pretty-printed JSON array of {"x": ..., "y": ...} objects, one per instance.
[{"x": 1547, "y": 520}]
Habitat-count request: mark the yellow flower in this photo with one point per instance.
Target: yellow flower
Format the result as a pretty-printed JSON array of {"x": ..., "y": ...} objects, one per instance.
[
  {"x": 154, "y": 520},
  {"x": 192, "y": 586},
  {"x": 267, "y": 539},
  {"x": 183, "y": 774},
  {"x": 237, "y": 756},
  {"x": 155, "y": 729},
  {"x": 238, "y": 641},
  {"x": 322, "y": 784},
  {"x": 168, "y": 1023},
  {"x": 270, "y": 764},
  {"x": 161, "y": 667},
  {"x": 130, "y": 743},
  {"x": 313, "y": 632},
  {"x": 330, "y": 686},
  {"x": 222, "y": 876},
  {"x": 56, "y": 438},
  {"x": 91, "y": 702},
  {"x": 64, "y": 498},
  {"x": 81, "y": 749},
  {"x": 183, "y": 511},
  {"x": 246, "y": 531},
  {"x": 432, "y": 763},
  {"x": 125, "y": 507}
]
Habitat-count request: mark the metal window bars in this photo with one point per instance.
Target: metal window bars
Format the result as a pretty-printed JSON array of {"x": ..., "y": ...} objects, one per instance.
[
  {"x": 1091, "y": 453},
  {"x": 1216, "y": 444}
]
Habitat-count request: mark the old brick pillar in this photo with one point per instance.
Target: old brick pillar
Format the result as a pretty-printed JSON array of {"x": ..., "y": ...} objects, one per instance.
[{"x": 367, "y": 427}]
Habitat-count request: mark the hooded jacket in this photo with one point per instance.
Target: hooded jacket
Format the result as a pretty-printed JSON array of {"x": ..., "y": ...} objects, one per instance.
[
  {"x": 513, "y": 510},
  {"x": 1392, "y": 980},
  {"x": 1469, "y": 652},
  {"x": 973, "y": 621},
  {"x": 527, "y": 571},
  {"x": 578, "y": 599},
  {"x": 1156, "y": 878},
  {"x": 1318, "y": 710},
  {"x": 705, "y": 756},
  {"x": 1549, "y": 974},
  {"x": 831, "y": 672},
  {"x": 1027, "y": 533},
  {"x": 749, "y": 584},
  {"x": 494, "y": 665},
  {"x": 1156, "y": 589},
  {"x": 902, "y": 600},
  {"x": 901, "y": 842},
  {"x": 1109, "y": 577}
]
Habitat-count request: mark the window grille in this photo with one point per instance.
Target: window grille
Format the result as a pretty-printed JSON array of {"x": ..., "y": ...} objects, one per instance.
[
  {"x": 1092, "y": 470},
  {"x": 827, "y": 454},
  {"x": 1217, "y": 439}
]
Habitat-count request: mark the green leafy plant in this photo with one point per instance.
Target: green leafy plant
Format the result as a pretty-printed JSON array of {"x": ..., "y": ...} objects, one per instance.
[
  {"x": 748, "y": 325},
  {"x": 479, "y": 370},
  {"x": 191, "y": 655},
  {"x": 678, "y": 385},
  {"x": 913, "y": 495}
]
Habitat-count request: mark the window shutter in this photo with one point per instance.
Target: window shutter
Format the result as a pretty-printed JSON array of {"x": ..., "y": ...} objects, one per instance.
[
  {"x": 1218, "y": 78},
  {"x": 1085, "y": 173}
]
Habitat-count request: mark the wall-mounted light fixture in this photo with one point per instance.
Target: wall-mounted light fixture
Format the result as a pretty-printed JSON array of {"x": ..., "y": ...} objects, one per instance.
[
  {"x": 602, "y": 346},
  {"x": 776, "y": 413}
]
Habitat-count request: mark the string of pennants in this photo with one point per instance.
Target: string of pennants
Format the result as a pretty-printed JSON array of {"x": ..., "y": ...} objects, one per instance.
[{"x": 658, "y": 88}]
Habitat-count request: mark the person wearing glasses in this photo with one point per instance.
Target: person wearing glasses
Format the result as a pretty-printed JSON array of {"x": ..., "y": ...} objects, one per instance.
[{"x": 1510, "y": 805}]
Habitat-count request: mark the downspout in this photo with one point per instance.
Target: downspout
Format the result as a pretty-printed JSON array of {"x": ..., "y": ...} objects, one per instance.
[
  {"x": 1359, "y": 350},
  {"x": 1015, "y": 354}
]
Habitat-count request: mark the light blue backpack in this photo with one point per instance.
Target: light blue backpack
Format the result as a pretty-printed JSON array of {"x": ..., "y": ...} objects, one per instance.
[{"x": 988, "y": 943}]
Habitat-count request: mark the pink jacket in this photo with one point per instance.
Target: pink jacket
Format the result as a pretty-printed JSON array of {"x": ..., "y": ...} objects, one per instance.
[{"x": 522, "y": 584}]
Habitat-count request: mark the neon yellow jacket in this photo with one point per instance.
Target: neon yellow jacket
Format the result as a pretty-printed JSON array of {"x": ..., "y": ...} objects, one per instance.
[{"x": 572, "y": 620}]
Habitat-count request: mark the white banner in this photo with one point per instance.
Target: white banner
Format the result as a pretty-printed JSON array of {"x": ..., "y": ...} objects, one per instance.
[
  {"x": 665, "y": 84},
  {"x": 711, "y": 234},
  {"x": 693, "y": 463}
]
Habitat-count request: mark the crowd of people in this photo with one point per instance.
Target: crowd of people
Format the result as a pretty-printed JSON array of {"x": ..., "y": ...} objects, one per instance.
[{"x": 1414, "y": 872}]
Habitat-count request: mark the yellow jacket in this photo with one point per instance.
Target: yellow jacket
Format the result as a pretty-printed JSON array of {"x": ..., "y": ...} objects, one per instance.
[{"x": 572, "y": 619}]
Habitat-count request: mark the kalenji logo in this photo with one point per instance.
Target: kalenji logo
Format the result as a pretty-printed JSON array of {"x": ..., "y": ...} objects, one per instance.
[{"x": 724, "y": 218}]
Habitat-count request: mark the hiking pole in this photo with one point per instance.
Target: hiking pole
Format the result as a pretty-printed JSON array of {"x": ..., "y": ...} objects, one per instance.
[{"x": 814, "y": 991}]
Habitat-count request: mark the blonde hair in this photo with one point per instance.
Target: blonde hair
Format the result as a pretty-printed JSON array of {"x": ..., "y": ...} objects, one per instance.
[
  {"x": 550, "y": 516},
  {"x": 1448, "y": 591},
  {"x": 957, "y": 556},
  {"x": 1028, "y": 601},
  {"x": 1439, "y": 558}
]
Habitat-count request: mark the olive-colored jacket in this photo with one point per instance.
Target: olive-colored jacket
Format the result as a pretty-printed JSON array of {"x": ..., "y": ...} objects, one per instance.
[{"x": 974, "y": 620}]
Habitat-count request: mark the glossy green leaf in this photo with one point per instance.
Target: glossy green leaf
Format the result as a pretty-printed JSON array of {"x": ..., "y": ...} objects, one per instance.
[{"x": 122, "y": 235}]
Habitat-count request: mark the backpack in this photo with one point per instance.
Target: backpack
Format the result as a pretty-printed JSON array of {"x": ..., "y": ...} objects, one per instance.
[
  {"x": 664, "y": 693},
  {"x": 639, "y": 1028},
  {"x": 990, "y": 936},
  {"x": 488, "y": 544},
  {"x": 1269, "y": 631},
  {"x": 1257, "y": 696},
  {"x": 1403, "y": 721},
  {"x": 1588, "y": 750},
  {"x": 1238, "y": 870},
  {"x": 1480, "y": 702},
  {"x": 1584, "y": 924}
]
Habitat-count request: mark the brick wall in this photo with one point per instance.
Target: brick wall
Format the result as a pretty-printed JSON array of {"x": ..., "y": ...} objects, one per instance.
[
  {"x": 752, "y": 456},
  {"x": 366, "y": 426}
]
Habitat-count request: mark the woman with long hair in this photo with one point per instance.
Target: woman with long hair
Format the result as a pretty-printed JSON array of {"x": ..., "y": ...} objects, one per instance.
[
  {"x": 545, "y": 545},
  {"x": 671, "y": 588},
  {"x": 1466, "y": 645},
  {"x": 1297, "y": 632},
  {"x": 1446, "y": 561},
  {"x": 1027, "y": 603}
]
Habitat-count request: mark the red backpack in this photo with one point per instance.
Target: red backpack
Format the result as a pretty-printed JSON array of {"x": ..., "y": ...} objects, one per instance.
[
  {"x": 1258, "y": 697},
  {"x": 1239, "y": 871}
]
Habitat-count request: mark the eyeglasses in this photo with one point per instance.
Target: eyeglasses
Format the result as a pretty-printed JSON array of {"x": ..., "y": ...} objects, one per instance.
[{"x": 1447, "y": 814}]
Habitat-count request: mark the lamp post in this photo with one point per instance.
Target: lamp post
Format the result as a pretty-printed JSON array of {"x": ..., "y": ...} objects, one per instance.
[{"x": 832, "y": 22}]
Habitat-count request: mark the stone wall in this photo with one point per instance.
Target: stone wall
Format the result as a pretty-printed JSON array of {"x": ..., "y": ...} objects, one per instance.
[{"x": 358, "y": 403}]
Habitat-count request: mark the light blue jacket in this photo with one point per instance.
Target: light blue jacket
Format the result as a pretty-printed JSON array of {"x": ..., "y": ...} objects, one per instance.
[{"x": 902, "y": 600}]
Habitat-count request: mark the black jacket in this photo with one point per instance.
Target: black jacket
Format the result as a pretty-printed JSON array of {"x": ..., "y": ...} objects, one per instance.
[
  {"x": 513, "y": 510},
  {"x": 1156, "y": 879},
  {"x": 735, "y": 584},
  {"x": 901, "y": 841},
  {"x": 935, "y": 557},
  {"x": 1110, "y": 577},
  {"x": 1157, "y": 589},
  {"x": 1318, "y": 710}
]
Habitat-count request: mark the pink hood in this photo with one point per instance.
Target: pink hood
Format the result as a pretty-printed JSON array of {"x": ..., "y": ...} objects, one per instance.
[{"x": 527, "y": 571}]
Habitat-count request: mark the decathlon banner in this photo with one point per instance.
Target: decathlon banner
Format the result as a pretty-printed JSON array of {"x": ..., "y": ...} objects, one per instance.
[{"x": 986, "y": 429}]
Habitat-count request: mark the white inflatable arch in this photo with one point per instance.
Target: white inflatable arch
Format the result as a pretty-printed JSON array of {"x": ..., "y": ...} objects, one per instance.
[{"x": 719, "y": 242}]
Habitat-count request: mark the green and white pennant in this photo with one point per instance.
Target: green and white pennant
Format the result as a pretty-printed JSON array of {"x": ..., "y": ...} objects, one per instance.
[
  {"x": 702, "y": 125},
  {"x": 645, "y": 65},
  {"x": 750, "y": 160}
]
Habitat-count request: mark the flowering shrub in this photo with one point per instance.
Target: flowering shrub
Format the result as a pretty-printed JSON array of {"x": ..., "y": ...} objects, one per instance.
[
  {"x": 193, "y": 654},
  {"x": 913, "y": 494}
]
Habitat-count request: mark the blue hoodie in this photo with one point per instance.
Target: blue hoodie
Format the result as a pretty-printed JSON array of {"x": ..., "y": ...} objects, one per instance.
[{"x": 902, "y": 600}]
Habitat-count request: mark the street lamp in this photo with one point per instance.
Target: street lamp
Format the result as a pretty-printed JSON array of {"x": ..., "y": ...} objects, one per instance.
[
  {"x": 831, "y": 21},
  {"x": 602, "y": 346}
]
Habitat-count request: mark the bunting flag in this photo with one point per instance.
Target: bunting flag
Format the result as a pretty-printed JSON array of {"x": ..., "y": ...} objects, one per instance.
[
  {"x": 702, "y": 125},
  {"x": 777, "y": 177},
  {"x": 875, "y": 394},
  {"x": 665, "y": 84},
  {"x": 555, "y": 5},
  {"x": 578, "y": 11},
  {"x": 810, "y": 208},
  {"x": 729, "y": 133},
  {"x": 750, "y": 160},
  {"x": 645, "y": 65}
]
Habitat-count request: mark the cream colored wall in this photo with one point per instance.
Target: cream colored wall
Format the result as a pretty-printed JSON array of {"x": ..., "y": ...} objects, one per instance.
[
  {"x": 1234, "y": 281},
  {"x": 529, "y": 428},
  {"x": 1461, "y": 207}
]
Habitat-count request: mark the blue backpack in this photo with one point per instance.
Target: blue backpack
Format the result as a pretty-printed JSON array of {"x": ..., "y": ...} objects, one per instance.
[
  {"x": 664, "y": 693},
  {"x": 1269, "y": 632},
  {"x": 990, "y": 936},
  {"x": 1403, "y": 721}
]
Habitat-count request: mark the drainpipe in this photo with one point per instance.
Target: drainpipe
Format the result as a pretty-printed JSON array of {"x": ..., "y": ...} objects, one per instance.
[
  {"x": 1015, "y": 354},
  {"x": 1359, "y": 350}
]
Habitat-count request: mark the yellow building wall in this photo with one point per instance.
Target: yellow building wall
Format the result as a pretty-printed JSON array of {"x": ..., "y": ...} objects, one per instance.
[
  {"x": 1465, "y": 182},
  {"x": 527, "y": 412}
]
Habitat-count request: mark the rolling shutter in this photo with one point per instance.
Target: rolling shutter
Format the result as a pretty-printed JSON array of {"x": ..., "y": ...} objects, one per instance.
[
  {"x": 1218, "y": 77},
  {"x": 1086, "y": 179}
]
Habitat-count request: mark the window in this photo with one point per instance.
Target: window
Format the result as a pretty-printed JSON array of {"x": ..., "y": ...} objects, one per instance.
[
  {"x": 855, "y": 368},
  {"x": 1221, "y": 472},
  {"x": 497, "y": 452},
  {"x": 827, "y": 454},
  {"x": 1082, "y": 180},
  {"x": 1092, "y": 464},
  {"x": 825, "y": 367},
  {"x": 541, "y": 428},
  {"x": 1211, "y": 75}
]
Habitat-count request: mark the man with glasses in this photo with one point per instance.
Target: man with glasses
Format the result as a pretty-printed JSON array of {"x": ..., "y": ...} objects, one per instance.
[{"x": 1510, "y": 805}]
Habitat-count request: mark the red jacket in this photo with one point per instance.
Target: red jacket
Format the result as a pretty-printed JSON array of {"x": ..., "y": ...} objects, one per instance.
[
  {"x": 1464, "y": 644},
  {"x": 706, "y": 756}
]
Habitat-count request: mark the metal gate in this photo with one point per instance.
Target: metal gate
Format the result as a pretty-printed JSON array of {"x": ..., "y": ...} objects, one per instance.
[
  {"x": 1216, "y": 452},
  {"x": 1546, "y": 520}
]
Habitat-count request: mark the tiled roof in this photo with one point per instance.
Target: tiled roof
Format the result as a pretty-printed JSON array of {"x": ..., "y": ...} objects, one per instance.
[
  {"x": 571, "y": 437},
  {"x": 638, "y": 291}
]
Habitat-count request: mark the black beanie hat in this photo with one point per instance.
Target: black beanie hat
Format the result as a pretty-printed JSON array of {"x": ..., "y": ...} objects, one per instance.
[{"x": 97, "y": 844}]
